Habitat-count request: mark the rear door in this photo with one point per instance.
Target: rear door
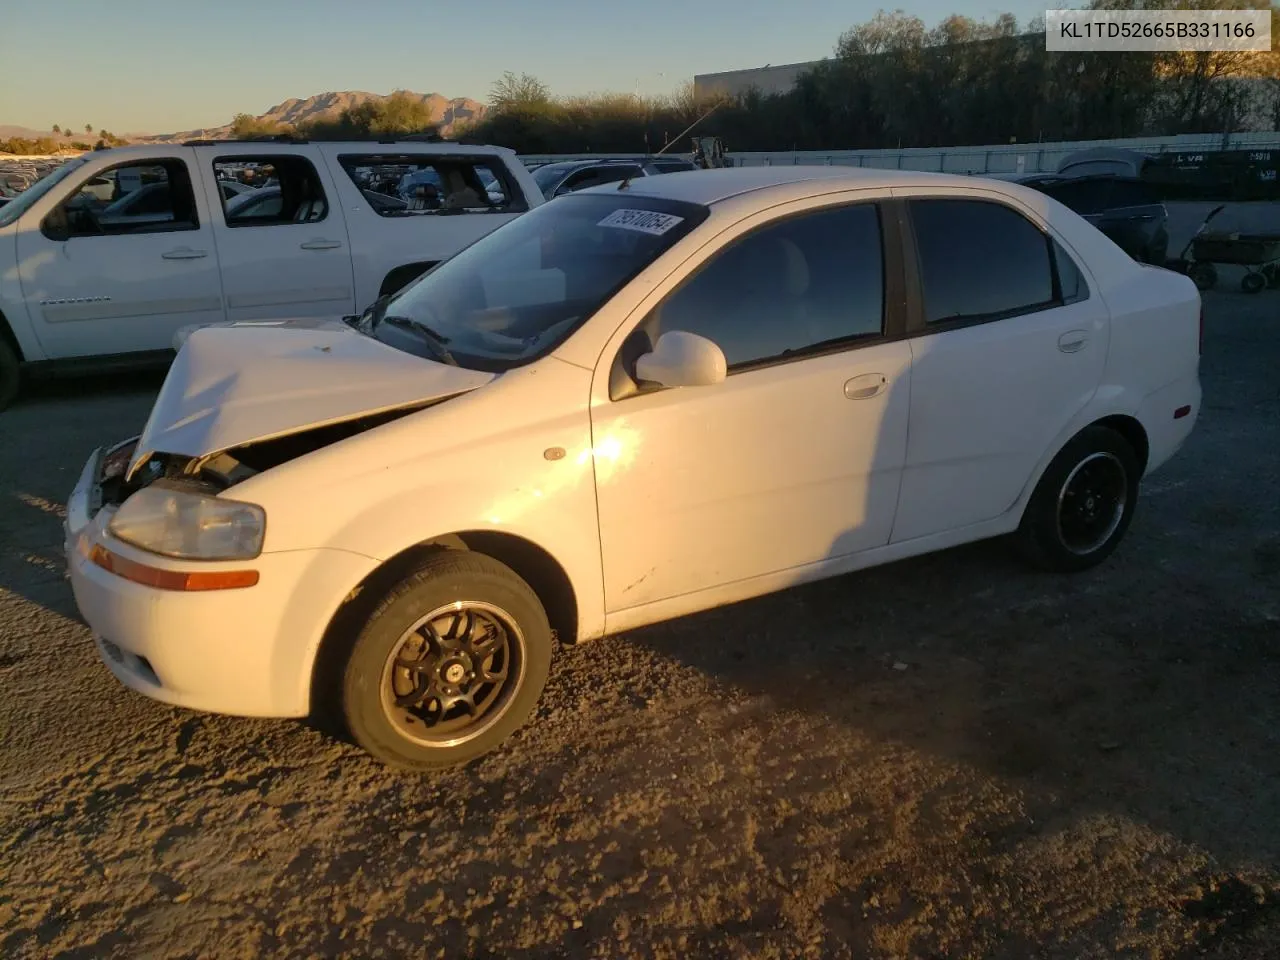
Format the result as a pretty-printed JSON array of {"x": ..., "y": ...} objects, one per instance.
[
  {"x": 284, "y": 250},
  {"x": 122, "y": 282},
  {"x": 1009, "y": 345}
]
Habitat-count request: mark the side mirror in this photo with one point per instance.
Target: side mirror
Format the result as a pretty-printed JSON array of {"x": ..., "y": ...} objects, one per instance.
[{"x": 682, "y": 359}]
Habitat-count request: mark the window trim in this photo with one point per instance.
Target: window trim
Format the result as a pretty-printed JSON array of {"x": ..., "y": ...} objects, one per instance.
[
  {"x": 517, "y": 201},
  {"x": 894, "y": 299},
  {"x": 166, "y": 226},
  {"x": 918, "y": 324},
  {"x": 269, "y": 158}
]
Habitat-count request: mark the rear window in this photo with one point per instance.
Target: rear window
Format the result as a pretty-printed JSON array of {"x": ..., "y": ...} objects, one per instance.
[{"x": 413, "y": 185}]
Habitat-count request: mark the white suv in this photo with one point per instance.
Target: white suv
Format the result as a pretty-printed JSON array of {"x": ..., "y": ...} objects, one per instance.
[{"x": 108, "y": 256}]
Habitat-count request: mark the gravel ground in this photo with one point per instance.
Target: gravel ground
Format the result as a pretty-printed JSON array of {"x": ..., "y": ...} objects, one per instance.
[{"x": 946, "y": 757}]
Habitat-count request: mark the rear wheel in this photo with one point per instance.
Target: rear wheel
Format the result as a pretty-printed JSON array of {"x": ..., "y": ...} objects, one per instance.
[
  {"x": 1083, "y": 504},
  {"x": 450, "y": 663},
  {"x": 1253, "y": 283},
  {"x": 10, "y": 374}
]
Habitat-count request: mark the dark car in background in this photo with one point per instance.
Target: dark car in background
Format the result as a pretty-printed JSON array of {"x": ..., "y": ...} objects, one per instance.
[
  {"x": 1128, "y": 210},
  {"x": 569, "y": 176}
]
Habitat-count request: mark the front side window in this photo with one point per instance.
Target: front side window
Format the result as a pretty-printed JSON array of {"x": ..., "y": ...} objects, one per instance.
[
  {"x": 422, "y": 185},
  {"x": 290, "y": 191},
  {"x": 980, "y": 260},
  {"x": 151, "y": 197},
  {"x": 522, "y": 289},
  {"x": 795, "y": 287}
]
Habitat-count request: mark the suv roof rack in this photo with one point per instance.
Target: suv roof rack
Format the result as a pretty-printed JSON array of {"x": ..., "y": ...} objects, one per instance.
[
  {"x": 262, "y": 138},
  {"x": 290, "y": 138}
]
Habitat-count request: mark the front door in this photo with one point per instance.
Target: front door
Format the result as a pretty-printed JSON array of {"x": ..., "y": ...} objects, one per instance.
[
  {"x": 1012, "y": 347},
  {"x": 796, "y": 457},
  {"x": 283, "y": 246},
  {"x": 123, "y": 261}
]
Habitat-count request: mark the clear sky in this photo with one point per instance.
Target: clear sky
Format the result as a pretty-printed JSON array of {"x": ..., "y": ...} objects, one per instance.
[{"x": 160, "y": 66}]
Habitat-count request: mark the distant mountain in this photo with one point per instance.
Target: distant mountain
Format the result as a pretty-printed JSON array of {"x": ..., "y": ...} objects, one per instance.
[
  {"x": 327, "y": 106},
  {"x": 26, "y": 133}
]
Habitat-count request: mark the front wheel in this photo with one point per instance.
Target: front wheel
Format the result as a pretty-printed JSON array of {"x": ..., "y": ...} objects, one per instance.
[
  {"x": 1083, "y": 504},
  {"x": 449, "y": 664}
]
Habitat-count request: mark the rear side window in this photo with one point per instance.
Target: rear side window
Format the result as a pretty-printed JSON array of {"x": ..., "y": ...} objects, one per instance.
[
  {"x": 980, "y": 260},
  {"x": 1071, "y": 281},
  {"x": 1083, "y": 196},
  {"x": 283, "y": 190},
  {"x": 426, "y": 185},
  {"x": 1133, "y": 193},
  {"x": 593, "y": 176}
]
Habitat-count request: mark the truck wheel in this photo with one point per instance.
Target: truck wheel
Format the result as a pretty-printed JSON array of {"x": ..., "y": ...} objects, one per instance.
[
  {"x": 450, "y": 663},
  {"x": 1253, "y": 283},
  {"x": 1083, "y": 504},
  {"x": 10, "y": 374}
]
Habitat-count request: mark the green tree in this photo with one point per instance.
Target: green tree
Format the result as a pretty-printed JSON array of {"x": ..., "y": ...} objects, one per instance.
[
  {"x": 57, "y": 129},
  {"x": 522, "y": 93}
]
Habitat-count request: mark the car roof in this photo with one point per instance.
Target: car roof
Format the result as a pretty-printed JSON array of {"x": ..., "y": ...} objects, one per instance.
[{"x": 713, "y": 186}]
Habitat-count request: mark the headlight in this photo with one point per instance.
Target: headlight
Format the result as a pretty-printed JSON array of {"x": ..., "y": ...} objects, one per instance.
[{"x": 190, "y": 526}]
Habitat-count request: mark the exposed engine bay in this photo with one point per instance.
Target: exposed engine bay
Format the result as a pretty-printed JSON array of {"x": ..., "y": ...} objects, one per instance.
[{"x": 216, "y": 472}]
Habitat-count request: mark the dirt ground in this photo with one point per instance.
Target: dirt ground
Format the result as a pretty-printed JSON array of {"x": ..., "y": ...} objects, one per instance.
[{"x": 947, "y": 757}]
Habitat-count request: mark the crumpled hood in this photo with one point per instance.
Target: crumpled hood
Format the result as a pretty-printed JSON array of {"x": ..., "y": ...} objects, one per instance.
[{"x": 232, "y": 385}]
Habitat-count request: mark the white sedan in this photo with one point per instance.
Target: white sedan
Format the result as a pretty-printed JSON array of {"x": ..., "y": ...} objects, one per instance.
[{"x": 624, "y": 406}]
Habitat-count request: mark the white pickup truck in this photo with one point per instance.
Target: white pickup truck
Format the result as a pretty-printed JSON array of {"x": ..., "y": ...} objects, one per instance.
[{"x": 106, "y": 258}]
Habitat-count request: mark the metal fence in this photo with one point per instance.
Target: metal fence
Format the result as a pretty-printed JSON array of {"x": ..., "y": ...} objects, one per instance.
[{"x": 995, "y": 158}]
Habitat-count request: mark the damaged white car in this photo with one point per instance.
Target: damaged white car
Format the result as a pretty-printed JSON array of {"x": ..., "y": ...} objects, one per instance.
[{"x": 629, "y": 404}]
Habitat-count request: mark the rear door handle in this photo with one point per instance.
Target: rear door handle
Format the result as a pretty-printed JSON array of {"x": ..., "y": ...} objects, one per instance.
[
  {"x": 184, "y": 253},
  {"x": 865, "y": 386},
  {"x": 1073, "y": 341},
  {"x": 321, "y": 244}
]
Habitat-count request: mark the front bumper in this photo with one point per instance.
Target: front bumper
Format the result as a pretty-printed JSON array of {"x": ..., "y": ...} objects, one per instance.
[{"x": 247, "y": 652}]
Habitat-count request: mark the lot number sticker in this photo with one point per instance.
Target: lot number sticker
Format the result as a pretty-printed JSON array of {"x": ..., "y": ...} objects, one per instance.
[{"x": 645, "y": 221}]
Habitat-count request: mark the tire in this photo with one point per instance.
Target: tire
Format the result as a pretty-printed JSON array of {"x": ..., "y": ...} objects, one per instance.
[
  {"x": 1205, "y": 275},
  {"x": 426, "y": 736},
  {"x": 1106, "y": 465},
  {"x": 10, "y": 374},
  {"x": 1253, "y": 283}
]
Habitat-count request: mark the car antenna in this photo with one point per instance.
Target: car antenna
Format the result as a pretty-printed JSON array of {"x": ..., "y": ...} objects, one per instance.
[{"x": 714, "y": 107}]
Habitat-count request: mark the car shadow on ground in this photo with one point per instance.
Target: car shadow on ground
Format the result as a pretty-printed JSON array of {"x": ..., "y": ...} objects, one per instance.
[{"x": 32, "y": 565}]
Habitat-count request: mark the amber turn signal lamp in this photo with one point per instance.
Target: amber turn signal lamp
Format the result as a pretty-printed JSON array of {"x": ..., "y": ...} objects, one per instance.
[{"x": 185, "y": 581}]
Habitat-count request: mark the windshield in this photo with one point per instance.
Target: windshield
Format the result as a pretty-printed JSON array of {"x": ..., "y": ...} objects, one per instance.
[
  {"x": 517, "y": 293},
  {"x": 16, "y": 207}
]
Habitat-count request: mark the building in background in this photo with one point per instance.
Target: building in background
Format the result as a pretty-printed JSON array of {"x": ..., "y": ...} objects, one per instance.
[{"x": 768, "y": 79}]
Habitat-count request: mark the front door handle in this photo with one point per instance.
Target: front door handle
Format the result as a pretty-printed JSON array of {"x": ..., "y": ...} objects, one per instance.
[
  {"x": 321, "y": 244},
  {"x": 866, "y": 386},
  {"x": 184, "y": 253},
  {"x": 1073, "y": 341}
]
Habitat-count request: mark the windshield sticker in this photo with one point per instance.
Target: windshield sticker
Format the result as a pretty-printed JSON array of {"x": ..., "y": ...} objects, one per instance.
[{"x": 645, "y": 221}]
